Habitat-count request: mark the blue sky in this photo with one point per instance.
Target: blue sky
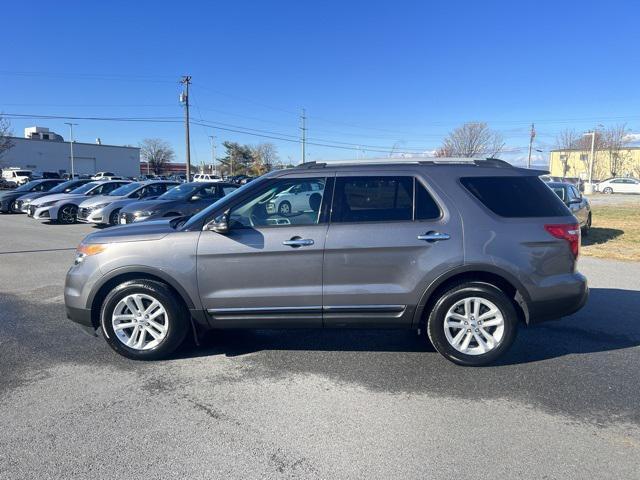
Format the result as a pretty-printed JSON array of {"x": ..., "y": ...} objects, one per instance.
[{"x": 368, "y": 73}]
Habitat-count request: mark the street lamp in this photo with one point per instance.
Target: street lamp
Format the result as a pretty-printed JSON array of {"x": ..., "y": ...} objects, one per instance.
[
  {"x": 71, "y": 145},
  {"x": 588, "y": 188}
]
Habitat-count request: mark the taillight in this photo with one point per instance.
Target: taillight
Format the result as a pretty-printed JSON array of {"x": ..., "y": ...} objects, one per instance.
[{"x": 569, "y": 232}]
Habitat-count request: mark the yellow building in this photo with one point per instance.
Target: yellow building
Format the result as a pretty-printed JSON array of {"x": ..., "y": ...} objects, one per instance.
[{"x": 575, "y": 163}]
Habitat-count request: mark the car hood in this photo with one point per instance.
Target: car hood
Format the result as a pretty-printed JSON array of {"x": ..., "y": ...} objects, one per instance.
[
  {"x": 98, "y": 199},
  {"x": 10, "y": 194},
  {"x": 133, "y": 232},
  {"x": 34, "y": 195},
  {"x": 149, "y": 205},
  {"x": 57, "y": 196}
]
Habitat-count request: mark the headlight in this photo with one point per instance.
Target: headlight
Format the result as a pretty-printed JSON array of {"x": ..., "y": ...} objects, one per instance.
[
  {"x": 144, "y": 213},
  {"x": 87, "y": 250},
  {"x": 48, "y": 204},
  {"x": 99, "y": 206},
  {"x": 26, "y": 203}
]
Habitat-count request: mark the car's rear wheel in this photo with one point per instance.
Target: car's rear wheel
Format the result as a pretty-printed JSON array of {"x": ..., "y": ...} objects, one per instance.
[
  {"x": 472, "y": 324},
  {"x": 607, "y": 190},
  {"x": 143, "y": 320},
  {"x": 67, "y": 214},
  {"x": 15, "y": 207}
]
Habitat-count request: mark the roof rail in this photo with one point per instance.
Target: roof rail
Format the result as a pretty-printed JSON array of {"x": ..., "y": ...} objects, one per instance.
[{"x": 481, "y": 162}]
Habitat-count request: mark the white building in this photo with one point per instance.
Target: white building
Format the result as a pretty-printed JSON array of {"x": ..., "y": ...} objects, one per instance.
[{"x": 44, "y": 151}]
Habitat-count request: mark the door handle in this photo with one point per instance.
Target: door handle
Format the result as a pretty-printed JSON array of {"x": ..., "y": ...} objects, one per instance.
[
  {"x": 432, "y": 236},
  {"x": 296, "y": 242}
]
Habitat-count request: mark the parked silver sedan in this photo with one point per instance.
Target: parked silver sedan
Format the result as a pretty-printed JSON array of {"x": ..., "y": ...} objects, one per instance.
[{"x": 104, "y": 210}]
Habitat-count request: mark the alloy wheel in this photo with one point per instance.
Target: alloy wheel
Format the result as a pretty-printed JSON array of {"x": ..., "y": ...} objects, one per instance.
[
  {"x": 474, "y": 326},
  {"x": 140, "y": 321},
  {"x": 68, "y": 214}
]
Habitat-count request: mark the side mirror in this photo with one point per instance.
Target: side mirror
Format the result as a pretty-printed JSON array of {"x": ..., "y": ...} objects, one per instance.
[
  {"x": 574, "y": 201},
  {"x": 221, "y": 226}
]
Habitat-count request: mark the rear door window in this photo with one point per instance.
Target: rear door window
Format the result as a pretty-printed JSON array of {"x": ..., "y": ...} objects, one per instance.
[
  {"x": 381, "y": 199},
  {"x": 516, "y": 197}
]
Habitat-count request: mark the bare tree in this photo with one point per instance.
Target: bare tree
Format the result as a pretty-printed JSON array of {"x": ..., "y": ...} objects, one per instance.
[
  {"x": 265, "y": 157},
  {"x": 473, "y": 139},
  {"x": 567, "y": 141},
  {"x": 5, "y": 136},
  {"x": 157, "y": 153},
  {"x": 615, "y": 140}
]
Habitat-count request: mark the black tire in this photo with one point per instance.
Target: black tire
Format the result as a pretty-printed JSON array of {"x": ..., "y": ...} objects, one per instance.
[
  {"x": 436, "y": 330},
  {"x": 607, "y": 190},
  {"x": 177, "y": 319},
  {"x": 67, "y": 214},
  {"x": 13, "y": 208},
  {"x": 587, "y": 227},
  {"x": 113, "y": 218},
  {"x": 284, "y": 208}
]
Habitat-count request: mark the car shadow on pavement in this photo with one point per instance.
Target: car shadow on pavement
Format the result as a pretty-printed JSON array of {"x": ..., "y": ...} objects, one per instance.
[
  {"x": 599, "y": 235},
  {"x": 609, "y": 321}
]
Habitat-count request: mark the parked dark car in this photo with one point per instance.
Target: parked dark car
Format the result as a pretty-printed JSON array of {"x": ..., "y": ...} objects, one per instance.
[
  {"x": 67, "y": 186},
  {"x": 9, "y": 200},
  {"x": 183, "y": 200},
  {"x": 577, "y": 203}
]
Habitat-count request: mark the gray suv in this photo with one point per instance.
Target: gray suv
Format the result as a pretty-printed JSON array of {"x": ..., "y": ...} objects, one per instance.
[{"x": 466, "y": 250}]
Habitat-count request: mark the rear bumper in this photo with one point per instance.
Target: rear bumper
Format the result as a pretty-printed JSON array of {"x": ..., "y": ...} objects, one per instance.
[{"x": 563, "y": 299}]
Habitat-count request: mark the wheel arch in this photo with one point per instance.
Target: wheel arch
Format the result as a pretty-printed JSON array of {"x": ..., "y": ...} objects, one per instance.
[
  {"x": 108, "y": 282},
  {"x": 492, "y": 275}
]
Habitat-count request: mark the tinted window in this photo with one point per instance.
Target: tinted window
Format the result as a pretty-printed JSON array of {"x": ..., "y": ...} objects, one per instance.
[
  {"x": 516, "y": 196},
  {"x": 373, "y": 199},
  {"x": 559, "y": 191},
  {"x": 282, "y": 203}
]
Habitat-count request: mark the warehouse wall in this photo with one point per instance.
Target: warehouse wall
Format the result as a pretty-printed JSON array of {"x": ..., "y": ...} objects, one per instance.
[{"x": 46, "y": 155}]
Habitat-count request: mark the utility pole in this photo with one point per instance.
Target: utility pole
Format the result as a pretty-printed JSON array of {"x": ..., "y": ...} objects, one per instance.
[
  {"x": 532, "y": 135},
  {"x": 184, "y": 98},
  {"x": 71, "y": 145},
  {"x": 303, "y": 120},
  {"x": 214, "y": 170}
]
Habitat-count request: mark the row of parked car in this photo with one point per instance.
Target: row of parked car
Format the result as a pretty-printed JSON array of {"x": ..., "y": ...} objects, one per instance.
[{"x": 111, "y": 202}]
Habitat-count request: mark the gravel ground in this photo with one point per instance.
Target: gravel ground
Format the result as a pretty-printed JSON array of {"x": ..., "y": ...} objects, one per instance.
[{"x": 564, "y": 403}]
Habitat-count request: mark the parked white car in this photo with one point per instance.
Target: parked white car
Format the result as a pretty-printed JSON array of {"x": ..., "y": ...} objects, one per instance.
[
  {"x": 16, "y": 176},
  {"x": 619, "y": 185},
  {"x": 103, "y": 176},
  {"x": 63, "y": 207},
  {"x": 206, "y": 177},
  {"x": 301, "y": 197}
]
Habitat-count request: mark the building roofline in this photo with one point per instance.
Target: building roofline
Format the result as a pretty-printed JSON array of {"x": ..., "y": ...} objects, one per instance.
[
  {"x": 589, "y": 149},
  {"x": 75, "y": 143}
]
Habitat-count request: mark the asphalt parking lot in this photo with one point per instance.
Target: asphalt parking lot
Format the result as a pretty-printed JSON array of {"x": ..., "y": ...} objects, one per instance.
[{"x": 563, "y": 403}]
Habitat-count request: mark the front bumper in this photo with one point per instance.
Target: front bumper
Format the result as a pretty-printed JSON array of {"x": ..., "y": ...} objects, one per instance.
[
  {"x": 562, "y": 300},
  {"x": 42, "y": 213},
  {"x": 82, "y": 316},
  {"x": 87, "y": 215}
]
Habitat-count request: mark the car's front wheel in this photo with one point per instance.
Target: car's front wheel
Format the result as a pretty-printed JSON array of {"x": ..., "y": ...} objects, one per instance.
[
  {"x": 113, "y": 218},
  {"x": 472, "y": 324},
  {"x": 284, "y": 209},
  {"x": 607, "y": 190},
  {"x": 143, "y": 320},
  {"x": 68, "y": 214}
]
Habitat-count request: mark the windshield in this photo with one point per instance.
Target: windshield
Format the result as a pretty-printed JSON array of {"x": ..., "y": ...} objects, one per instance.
[
  {"x": 85, "y": 188},
  {"x": 61, "y": 187},
  {"x": 125, "y": 189},
  {"x": 228, "y": 196},
  {"x": 181, "y": 191},
  {"x": 26, "y": 187}
]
